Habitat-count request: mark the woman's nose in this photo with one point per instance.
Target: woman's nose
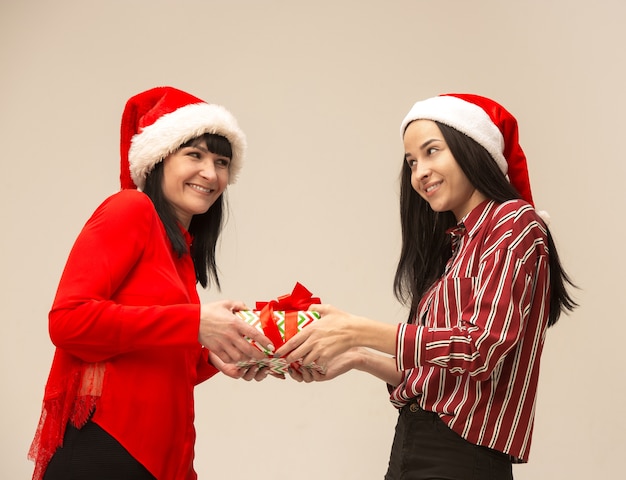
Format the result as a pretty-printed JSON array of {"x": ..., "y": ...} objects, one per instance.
[
  {"x": 421, "y": 170},
  {"x": 208, "y": 170}
]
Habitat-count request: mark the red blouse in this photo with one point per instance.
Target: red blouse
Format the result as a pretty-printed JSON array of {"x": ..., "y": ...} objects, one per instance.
[{"x": 125, "y": 325}]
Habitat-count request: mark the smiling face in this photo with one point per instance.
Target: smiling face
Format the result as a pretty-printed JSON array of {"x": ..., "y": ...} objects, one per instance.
[
  {"x": 435, "y": 174},
  {"x": 193, "y": 179}
]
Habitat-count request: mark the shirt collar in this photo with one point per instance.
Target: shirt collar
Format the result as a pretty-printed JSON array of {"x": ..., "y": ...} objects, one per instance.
[{"x": 474, "y": 219}]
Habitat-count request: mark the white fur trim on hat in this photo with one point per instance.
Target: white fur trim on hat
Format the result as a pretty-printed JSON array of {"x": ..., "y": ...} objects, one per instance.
[
  {"x": 156, "y": 141},
  {"x": 463, "y": 116}
]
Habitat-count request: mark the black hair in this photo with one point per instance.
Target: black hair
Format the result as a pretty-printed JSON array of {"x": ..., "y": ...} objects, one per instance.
[
  {"x": 425, "y": 244},
  {"x": 205, "y": 228}
]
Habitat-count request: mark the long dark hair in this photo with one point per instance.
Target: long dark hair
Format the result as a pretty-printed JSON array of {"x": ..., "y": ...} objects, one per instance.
[
  {"x": 425, "y": 244},
  {"x": 205, "y": 228}
]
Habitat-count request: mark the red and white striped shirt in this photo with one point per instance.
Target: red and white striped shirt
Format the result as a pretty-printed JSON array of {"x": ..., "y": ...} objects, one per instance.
[{"x": 472, "y": 353}]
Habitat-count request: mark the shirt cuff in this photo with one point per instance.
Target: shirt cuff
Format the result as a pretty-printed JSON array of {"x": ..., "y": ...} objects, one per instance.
[{"x": 408, "y": 341}]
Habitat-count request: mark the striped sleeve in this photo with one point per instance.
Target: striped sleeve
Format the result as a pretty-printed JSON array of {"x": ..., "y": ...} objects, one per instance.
[{"x": 474, "y": 320}]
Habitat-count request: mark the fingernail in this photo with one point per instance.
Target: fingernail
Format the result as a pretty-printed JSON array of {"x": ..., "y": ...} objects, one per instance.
[{"x": 270, "y": 347}]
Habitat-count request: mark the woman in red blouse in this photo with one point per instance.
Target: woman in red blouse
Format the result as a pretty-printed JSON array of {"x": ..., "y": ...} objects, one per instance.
[
  {"x": 481, "y": 276},
  {"x": 132, "y": 339}
]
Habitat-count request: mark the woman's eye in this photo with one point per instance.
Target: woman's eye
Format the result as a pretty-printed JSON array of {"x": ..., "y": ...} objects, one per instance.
[
  {"x": 431, "y": 150},
  {"x": 411, "y": 162},
  {"x": 223, "y": 162}
]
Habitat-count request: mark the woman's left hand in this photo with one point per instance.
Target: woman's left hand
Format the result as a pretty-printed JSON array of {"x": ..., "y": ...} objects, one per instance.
[
  {"x": 341, "y": 364},
  {"x": 233, "y": 371}
]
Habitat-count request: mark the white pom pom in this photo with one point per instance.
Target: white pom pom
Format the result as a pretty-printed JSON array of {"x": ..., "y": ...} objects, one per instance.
[{"x": 545, "y": 216}]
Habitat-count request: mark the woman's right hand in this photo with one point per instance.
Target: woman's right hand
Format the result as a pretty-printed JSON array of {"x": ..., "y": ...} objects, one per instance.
[{"x": 224, "y": 334}]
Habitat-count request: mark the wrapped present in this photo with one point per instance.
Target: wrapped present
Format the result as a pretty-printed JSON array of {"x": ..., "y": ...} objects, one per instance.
[{"x": 280, "y": 320}]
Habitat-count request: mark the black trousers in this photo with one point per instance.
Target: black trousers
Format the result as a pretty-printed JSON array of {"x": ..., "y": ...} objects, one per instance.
[
  {"x": 425, "y": 448},
  {"x": 90, "y": 453}
]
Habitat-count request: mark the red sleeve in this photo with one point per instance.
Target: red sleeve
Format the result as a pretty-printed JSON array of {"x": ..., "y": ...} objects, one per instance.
[
  {"x": 205, "y": 368},
  {"x": 118, "y": 291}
]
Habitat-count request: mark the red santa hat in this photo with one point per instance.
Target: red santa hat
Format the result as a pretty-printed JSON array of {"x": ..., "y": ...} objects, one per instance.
[
  {"x": 486, "y": 122},
  {"x": 158, "y": 121}
]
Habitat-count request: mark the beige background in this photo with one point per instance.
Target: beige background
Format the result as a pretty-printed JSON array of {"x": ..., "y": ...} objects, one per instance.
[{"x": 320, "y": 88}]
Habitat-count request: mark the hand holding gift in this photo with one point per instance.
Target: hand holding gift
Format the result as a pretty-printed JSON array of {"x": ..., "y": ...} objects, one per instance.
[
  {"x": 280, "y": 320},
  {"x": 233, "y": 371},
  {"x": 225, "y": 335}
]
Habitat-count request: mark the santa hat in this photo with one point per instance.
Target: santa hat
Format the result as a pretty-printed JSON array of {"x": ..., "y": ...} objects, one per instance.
[
  {"x": 486, "y": 122},
  {"x": 158, "y": 121}
]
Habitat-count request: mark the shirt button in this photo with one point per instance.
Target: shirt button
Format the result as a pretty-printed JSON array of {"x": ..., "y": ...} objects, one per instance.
[{"x": 414, "y": 407}]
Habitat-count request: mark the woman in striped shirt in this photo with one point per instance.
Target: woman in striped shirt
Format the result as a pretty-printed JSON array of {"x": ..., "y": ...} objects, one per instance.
[{"x": 482, "y": 278}]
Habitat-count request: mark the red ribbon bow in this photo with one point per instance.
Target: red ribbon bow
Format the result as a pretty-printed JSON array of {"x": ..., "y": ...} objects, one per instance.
[{"x": 299, "y": 299}]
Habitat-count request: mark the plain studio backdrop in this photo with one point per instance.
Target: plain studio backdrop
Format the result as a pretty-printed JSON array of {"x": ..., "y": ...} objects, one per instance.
[{"x": 320, "y": 89}]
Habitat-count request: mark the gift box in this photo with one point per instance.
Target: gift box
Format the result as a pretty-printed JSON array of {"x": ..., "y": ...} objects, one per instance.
[
  {"x": 280, "y": 326},
  {"x": 280, "y": 320}
]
